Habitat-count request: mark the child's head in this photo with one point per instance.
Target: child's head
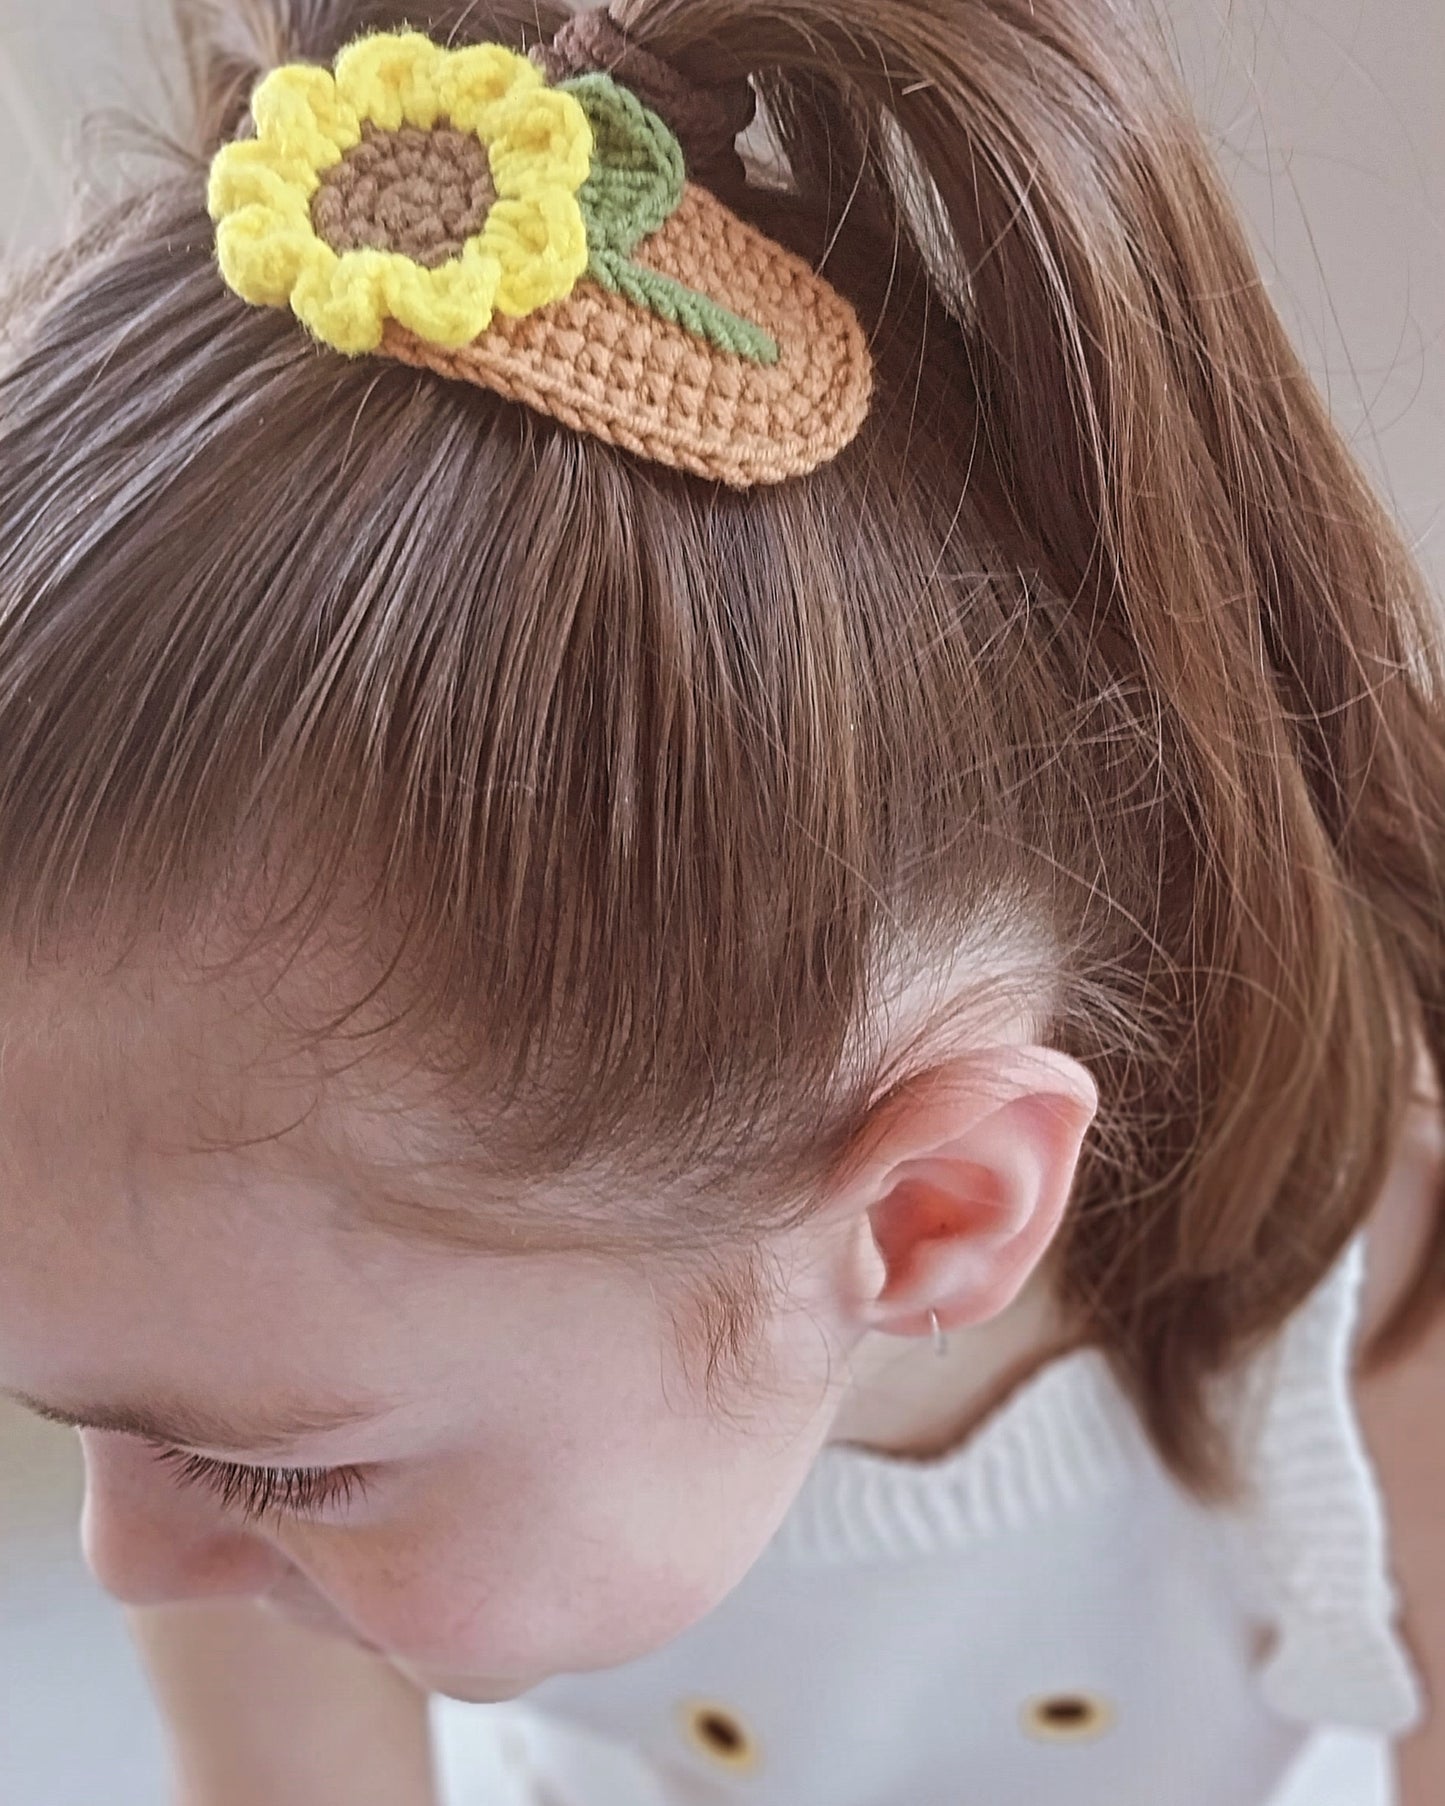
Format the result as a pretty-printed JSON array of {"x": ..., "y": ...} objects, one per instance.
[
  {"x": 552, "y": 951},
  {"x": 566, "y": 1458}
]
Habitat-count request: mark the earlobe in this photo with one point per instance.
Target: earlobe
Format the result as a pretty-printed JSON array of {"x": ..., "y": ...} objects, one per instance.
[{"x": 969, "y": 1186}]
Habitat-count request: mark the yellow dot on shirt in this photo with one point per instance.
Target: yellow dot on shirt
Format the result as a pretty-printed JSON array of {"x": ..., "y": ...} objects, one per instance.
[
  {"x": 1067, "y": 1717},
  {"x": 717, "y": 1733}
]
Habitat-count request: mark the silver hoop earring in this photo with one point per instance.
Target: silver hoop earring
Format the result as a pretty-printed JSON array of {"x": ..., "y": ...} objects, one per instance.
[{"x": 940, "y": 1340}]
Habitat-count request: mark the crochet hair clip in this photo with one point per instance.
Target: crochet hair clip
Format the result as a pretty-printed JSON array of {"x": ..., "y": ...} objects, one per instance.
[{"x": 460, "y": 211}]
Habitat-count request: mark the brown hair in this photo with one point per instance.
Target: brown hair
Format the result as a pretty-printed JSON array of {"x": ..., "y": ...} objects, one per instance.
[{"x": 635, "y": 790}]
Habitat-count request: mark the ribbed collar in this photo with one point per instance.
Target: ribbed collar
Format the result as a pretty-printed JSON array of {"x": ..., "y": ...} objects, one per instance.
[{"x": 1067, "y": 1437}]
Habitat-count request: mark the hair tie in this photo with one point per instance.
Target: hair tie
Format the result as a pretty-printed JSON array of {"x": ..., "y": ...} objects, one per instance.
[
  {"x": 707, "y": 120},
  {"x": 476, "y": 213}
]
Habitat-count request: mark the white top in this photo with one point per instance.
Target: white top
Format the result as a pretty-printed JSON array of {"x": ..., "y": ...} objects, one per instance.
[{"x": 1043, "y": 1617}]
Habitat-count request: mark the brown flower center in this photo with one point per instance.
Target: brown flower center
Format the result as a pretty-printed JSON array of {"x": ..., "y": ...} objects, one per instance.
[{"x": 421, "y": 193}]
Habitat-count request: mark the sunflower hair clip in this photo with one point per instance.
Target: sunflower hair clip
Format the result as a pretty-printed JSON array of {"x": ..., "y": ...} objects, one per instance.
[{"x": 528, "y": 226}]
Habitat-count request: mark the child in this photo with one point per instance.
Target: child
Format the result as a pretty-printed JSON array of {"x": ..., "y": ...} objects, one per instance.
[{"x": 724, "y": 901}]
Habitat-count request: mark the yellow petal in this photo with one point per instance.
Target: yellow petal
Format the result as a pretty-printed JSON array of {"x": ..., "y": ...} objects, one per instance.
[
  {"x": 392, "y": 78},
  {"x": 479, "y": 80},
  {"x": 298, "y": 113},
  {"x": 447, "y": 306},
  {"x": 541, "y": 243},
  {"x": 252, "y": 173},
  {"x": 262, "y": 257},
  {"x": 339, "y": 298},
  {"x": 542, "y": 136}
]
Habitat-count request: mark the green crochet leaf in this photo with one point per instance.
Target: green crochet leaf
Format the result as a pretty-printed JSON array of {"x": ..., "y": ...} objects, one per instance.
[
  {"x": 633, "y": 189},
  {"x": 637, "y": 171}
]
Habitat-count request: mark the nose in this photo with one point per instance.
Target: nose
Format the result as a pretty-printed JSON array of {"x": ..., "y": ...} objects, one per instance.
[{"x": 149, "y": 1541}]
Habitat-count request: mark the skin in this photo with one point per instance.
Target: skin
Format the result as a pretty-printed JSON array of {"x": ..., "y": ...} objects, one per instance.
[{"x": 547, "y": 1487}]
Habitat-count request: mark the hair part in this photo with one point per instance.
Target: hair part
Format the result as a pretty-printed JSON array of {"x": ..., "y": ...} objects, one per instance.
[{"x": 625, "y": 791}]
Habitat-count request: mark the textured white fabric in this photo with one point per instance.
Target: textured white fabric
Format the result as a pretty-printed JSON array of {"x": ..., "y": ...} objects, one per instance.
[{"x": 1042, "y": 1618}]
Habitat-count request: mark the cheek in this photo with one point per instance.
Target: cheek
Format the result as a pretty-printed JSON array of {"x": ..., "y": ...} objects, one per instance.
[
  {"x": 570, "y": 1571},
  {"x": 502, "y": 1599},
  {"x": 587, "y": 1527},
  {"x": 568, "y": 1613}
]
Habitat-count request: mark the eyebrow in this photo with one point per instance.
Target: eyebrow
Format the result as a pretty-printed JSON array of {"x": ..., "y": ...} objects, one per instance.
[{"x": 195, "y": 1426}]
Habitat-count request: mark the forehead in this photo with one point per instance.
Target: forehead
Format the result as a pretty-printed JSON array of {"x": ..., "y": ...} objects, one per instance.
[
  {"x": 262, "y": 1084},
  {"x": 196, "y": 1120},
  {"x": 179, "y": 1215},
  {"x": 154, "y": 1076},
  {"x": 263, "y": 1077},
  {"x": 147, "y": 1138}
]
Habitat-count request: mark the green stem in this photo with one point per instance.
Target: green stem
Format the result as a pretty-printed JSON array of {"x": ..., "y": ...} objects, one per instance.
[{"x": 684, "y": 307}]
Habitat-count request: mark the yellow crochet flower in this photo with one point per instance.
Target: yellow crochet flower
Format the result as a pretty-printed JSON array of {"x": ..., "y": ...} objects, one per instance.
[{"x": 464, "y": 157}]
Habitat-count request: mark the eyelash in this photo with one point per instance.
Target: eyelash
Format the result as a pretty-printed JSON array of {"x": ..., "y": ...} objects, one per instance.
[{"x": 258, "y": 1492}]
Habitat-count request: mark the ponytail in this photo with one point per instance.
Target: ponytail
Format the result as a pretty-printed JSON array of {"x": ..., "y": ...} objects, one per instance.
[{"x": 1156, "y": 451}]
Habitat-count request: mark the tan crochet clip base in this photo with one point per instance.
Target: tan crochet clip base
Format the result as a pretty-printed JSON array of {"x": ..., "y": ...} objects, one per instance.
[{"x": 603, "y": 366}]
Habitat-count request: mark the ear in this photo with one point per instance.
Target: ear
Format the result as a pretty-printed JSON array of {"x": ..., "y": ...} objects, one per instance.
[{"x": 964, "y": 1186}]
